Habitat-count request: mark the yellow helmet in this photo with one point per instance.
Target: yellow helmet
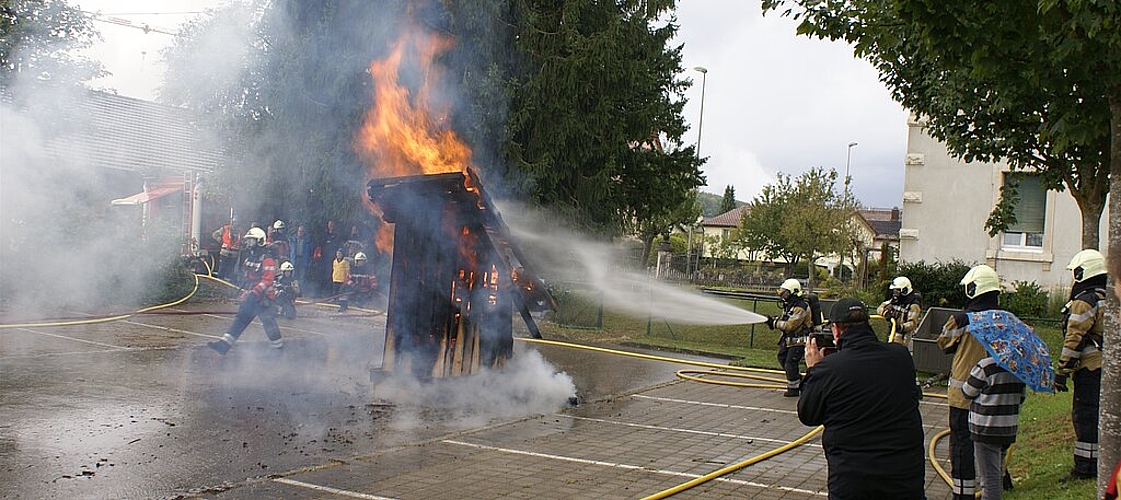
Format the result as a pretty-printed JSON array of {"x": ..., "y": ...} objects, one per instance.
[
  {"x": 791, "y": 285},
  {"x": 902, "y": 284},
  {"x": 1087, "y": 264},
  {"x": 981, "y": 279}
]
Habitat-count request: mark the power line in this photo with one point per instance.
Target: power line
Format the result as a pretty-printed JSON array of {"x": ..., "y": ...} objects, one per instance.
[{"x": 145, "y": 27}]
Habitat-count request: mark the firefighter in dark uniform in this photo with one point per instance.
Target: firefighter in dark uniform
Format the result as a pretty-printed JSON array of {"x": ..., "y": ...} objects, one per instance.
[
  {"x": 904, "y": 307},
  {"x": 1081, "y": 359},
  {"x": 982, "y": 288},
  {"x": 795, "y": 325},
  {"x": 287, "y": 289},
  {"x": 258, "y": 293}
]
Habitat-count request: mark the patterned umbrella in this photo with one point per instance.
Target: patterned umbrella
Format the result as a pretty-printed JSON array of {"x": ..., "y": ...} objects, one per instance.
[{"x": 1015, "y": 347}]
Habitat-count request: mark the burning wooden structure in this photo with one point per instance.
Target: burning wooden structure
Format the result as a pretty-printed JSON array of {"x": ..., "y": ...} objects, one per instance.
[{"x": 456, "y": 277}]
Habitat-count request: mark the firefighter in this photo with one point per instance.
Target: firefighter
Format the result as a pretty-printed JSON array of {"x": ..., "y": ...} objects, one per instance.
[
  {"x": 1081, "y": 359},
  {"x": 258, "y": 293},
  {"x": 279, "y": 237},
  {"x": 360, "y": 282},
  {"x": 230, "y": 239},
  {"x": 905, "y": 307},
  {"x": 287, "y": 289},
  {"x": 982, "y": 289},
  {"x": 795, "y": 325}
]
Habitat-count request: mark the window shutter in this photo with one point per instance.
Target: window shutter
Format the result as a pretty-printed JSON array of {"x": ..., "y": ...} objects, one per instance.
[{"x": 1032, "y": 207}]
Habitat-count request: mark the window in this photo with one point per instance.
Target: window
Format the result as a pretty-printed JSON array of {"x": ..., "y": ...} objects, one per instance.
[
  {"x": 725, "y": 234},
  {"x": 1031, "y": 209}
]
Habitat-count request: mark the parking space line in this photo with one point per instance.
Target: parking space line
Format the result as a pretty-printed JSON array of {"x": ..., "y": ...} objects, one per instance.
[
  {"x": 328, "y": 489},
  {"x": 718, "y": 405},
  {"x": 173, "y": 330},
  {"x": 45, "y": 334},
  {"x": 629, "y": 467},
  {"x": 689, "y": 431}
]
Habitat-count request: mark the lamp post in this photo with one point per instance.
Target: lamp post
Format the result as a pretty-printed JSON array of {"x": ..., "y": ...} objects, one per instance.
[
  {"x": 848, "y": 159},
  {"x": 700, "y": 125}
]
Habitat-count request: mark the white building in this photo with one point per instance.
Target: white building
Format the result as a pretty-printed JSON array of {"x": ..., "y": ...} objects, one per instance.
[{"x": 947, "y": 201}]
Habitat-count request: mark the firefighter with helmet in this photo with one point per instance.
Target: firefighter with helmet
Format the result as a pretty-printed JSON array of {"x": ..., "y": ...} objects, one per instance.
[
  {"x": 287, "y": 289},
  {"x": 258, "y": 293},
  {"x": 1081, "y": 359},
  {"x": 795, "y": 325},
  {"x": 360, "y": 281},
  {"x": 904, "y": 307},
  {"x": 982, "y": 289}
]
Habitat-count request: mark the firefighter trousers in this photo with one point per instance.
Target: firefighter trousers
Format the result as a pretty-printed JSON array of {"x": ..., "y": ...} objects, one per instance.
[
  {"x": 255, "y": 308},
  {"x": 789, "y": 358},
  {"x": 1084, "y": 415},
  {"x": 963, "y": 470}
]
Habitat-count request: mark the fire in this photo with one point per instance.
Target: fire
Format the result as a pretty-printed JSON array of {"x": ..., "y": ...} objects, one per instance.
[{"x": 403, "y": 134}]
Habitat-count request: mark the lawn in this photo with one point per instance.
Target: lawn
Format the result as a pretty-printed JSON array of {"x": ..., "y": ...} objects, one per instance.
[{"x": 1040, "y": 458}]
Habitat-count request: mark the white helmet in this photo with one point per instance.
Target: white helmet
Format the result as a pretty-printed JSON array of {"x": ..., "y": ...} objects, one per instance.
[
  {"x": 791, "y": 285},
  {"x": 278, "y": 225},
  {"x": 1087, "y": 264},
  {"x": 255, "y": 234},
  {"x": 902, "y": 284},
  {"x": 359, "y": 256},
  {"x": 287, "y": 266},
  {"x": 980, "y": 279}
]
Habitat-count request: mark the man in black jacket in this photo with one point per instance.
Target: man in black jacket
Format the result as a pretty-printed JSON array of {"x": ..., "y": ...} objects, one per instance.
[{"x": 866, "y": 397}]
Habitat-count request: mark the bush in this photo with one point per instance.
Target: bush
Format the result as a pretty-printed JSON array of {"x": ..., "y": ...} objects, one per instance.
[
  {"x": 939, "y": 283},
  {"x": 1027, "y": 301}
]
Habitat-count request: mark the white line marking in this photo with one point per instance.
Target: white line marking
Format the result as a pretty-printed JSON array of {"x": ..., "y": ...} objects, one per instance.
[
  {"x": 689, "y": 431},
  {"x": 630, "y": 467},
  {"x": 718, "y": 405},
  {"x": 173, "y": 330},
  {"x": 328, "y": 489},
  {"x": 111, "y": 346}
]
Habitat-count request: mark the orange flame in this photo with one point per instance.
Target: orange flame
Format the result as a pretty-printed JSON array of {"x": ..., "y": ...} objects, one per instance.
[{"x": 403, "y": 135}]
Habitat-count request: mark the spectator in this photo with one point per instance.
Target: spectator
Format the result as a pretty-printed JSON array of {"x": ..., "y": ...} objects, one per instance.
[
  {"x": 994, "y": 417},
  {"x": 329, "y": 244},
  {"x": 866, "y": 397},
  {"x": 302, "y": 248},
  {"x": 340, "y": 274}
]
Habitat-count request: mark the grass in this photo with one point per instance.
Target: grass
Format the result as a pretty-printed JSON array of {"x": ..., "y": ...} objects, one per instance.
[{"x": 1041, "y": 456}]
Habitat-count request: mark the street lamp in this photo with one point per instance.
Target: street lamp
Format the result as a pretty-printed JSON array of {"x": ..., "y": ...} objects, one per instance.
[
  {"x": 701, "y": 123},
  {"x": 848, "y": 159}
]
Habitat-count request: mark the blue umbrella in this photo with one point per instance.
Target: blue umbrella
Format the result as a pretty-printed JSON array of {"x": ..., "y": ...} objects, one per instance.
[{"x": 1015, "y": 347}]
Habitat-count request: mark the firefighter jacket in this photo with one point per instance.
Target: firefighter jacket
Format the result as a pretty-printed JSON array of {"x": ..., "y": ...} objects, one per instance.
[
  {"x": 1082, "y": 331},
  {"x": 866, "y": 397},
  {"x": 795, "y": 320},
  {"x": 967, "y": 350},
  {"x": 260, "y": 275},
  {"x": 906, "y": 311}
]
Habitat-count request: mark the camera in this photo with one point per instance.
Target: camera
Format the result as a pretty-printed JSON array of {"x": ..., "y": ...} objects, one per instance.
[{"x": 823, "y": 339}]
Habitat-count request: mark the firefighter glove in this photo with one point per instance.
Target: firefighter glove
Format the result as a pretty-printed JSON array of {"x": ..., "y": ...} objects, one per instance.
[
  {"x": 771, "y": 322},
  {"x": 1060, "y": 384}
]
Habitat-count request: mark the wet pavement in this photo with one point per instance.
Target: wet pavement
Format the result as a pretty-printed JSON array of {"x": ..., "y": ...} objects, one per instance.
[{"x": 142, "y": 409}]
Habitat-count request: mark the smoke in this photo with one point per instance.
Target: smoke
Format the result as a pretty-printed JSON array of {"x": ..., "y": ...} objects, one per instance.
[
  {"x": 529, "y": 385},
  {"x": 598, "y": 269}
]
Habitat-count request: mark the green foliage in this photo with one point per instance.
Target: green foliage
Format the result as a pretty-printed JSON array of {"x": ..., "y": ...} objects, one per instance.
[
  {"x": 939, "y": 283},
  {"x": 1026, "y": 82},
  {"x": 711, "y": 203},
  {"x": 799, "y": 219},
  {"x": 728, "y": 202},
  {"x": 1003, "y": 215},
  {"x": 41, "y": 38},
  {"x": 1026, "y": 300}
]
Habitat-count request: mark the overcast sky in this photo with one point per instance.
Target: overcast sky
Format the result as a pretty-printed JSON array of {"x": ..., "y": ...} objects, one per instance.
[{"x": 774, "y": 101}]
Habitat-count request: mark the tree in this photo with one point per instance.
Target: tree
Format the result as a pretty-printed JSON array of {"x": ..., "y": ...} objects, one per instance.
[
  {"x": 800, "y": 219},
  {"x": 596, "y": 112},
  {"x": 728, "y": 203},
  {"x": 40, "y": 38},
  {"x": 1034, "y": 82}
]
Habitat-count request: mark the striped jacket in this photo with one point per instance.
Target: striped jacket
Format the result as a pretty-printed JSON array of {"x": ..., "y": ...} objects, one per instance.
[{"x": 996, "y": 395}]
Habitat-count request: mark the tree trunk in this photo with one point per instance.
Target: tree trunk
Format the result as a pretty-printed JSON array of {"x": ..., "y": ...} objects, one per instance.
[
  {"x": 1090, "y": 205},
  {"x": 1109, "y": 428}
]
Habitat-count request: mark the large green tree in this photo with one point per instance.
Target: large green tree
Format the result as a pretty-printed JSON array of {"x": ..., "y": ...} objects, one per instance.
[
  {"x": 1034, "y": 82},
  {"x": 728, "y": 202},
  {"x": 799, "y": 219},
  {"x": 40, "y": 38}
]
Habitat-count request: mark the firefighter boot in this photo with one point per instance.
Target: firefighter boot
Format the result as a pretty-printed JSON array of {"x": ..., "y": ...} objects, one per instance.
[{"x": 219, "y": 345}]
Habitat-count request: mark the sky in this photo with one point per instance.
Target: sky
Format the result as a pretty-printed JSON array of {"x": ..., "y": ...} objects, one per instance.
[{"x": 773, "y": 101}]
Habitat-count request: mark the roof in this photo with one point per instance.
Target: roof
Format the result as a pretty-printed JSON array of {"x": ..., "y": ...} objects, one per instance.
[
  {"x": 885, "y": 222},
  {"x": 150, "y": 192},
  {"x": 730, "y": 218},
  {"x": 112, "y": 131}
]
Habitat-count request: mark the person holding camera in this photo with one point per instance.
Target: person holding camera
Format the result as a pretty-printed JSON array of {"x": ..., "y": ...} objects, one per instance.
[
  {"x": 863, "y": 391},
  {"x": 904, "y": 307},
  {"x": 795, "y": 324}
]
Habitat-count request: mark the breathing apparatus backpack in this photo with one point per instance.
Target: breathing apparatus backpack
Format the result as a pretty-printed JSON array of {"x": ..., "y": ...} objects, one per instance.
[{"x": 815, "y": 309}]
